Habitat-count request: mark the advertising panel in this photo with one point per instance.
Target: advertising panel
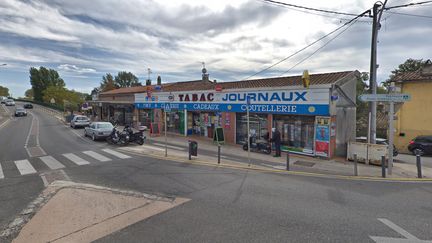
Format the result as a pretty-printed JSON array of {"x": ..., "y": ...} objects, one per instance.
[{"x": 322, "y": 136}]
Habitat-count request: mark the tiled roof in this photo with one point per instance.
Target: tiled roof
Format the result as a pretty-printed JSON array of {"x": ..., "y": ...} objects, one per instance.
[
  {"x": 315, "y": 79},
  {"x": 411, "y": 76}
]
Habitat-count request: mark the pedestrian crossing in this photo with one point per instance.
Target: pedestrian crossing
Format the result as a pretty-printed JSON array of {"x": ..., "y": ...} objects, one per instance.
[{"x": 55, "y": 162}]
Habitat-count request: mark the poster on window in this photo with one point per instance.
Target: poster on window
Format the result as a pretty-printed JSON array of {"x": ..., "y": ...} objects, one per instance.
[
  {"x": 227, "y": 120},
  {"x": 322, "y": 139}
]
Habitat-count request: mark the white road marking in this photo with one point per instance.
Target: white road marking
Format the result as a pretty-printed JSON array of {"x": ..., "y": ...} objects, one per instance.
[
  {"x": 152, "y": 147},
  {"x": 116, "y": 154},
  {"x": 52, "y": 163},
  {"x": 24, "y": 167},
  {"x": 77, "y": 160},
  {"x": 1, "y": 173},
  {"x": 169, "y": 146},
  {"x": 97, "y": 156},
  {"x": 409, "y": 238}
]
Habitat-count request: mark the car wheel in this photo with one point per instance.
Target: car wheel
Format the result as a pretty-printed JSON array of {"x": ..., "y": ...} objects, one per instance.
[
  {"x": 93, "y": 137},
  {"x": 418, "y": 151}
]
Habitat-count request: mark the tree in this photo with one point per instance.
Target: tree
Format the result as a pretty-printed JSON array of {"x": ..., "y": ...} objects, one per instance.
[
  {"x": 159, "y": 80},
  {"x": 42, "y": 78},
  {"x": 410, "y": 65},
  {"x": 4, "y": 91},
  {"x": 68, "y": 99},
  {"x": 126, "y": 79},
  {"x": 107, "y": 83},
  {"x": 29, "y": 94}
]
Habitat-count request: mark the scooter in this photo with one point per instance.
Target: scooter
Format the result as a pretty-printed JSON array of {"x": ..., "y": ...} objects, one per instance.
[
  {"x": 135, "y": 137},
  {"x": 258, "y": 146},
  {"x": 119, "y": 138}
]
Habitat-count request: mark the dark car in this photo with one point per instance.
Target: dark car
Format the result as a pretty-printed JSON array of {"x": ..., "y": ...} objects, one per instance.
[
  {"x": 28, "y": 106},
  {"x": 421, "y": 145}
]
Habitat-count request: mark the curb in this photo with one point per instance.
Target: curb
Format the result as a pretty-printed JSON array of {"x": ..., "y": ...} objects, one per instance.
[{"x": 300, "y": 173}]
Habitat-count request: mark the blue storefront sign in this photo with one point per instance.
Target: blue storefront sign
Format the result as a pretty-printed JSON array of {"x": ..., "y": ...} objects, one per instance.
[{"x": 300, "y": 102}]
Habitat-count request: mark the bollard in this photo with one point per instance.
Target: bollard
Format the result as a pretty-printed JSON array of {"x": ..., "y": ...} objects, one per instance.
[
  {"x": 287, "y": 161},
  {"x": 219, "y": 154},
  {"x": 383, "y": 172},
  {"x": 355, "y": 165},
  {"x": 419, "y": 169},
  {"x": 190, "y": 150}
]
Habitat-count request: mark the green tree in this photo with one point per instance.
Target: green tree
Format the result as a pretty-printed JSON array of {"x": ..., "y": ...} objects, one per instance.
[
  {"x": 42, "y": 78},
  {"x": 126, "y": 79},
  {"x": 410, "y": 65},
  {"x": 68, "y": 99},
  {"x": 4, "y": 91},
  {"x": 29, "y": 94},
  {"x": 107, "y": 83}
]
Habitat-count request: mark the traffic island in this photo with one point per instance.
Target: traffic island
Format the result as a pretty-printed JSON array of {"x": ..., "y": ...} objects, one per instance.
[{"x": 75, "y": 212}]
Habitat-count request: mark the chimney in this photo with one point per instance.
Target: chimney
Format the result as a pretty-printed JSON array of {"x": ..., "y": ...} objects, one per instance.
[{"x": 214, "y": 81}]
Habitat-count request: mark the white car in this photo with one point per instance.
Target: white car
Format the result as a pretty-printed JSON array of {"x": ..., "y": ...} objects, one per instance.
[
  {"x": 98, "y": 130},
  {"x": 80, "y": 121},
  {"x": 9, "y": 102}
]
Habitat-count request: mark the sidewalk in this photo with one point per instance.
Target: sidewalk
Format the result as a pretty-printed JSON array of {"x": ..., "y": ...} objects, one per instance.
[{"x": 236, "y": 156}]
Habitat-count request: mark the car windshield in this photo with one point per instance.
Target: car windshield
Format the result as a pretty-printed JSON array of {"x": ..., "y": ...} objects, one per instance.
[
  {"x": 20, "y": 109},
  {"x": 104, "y": 125},
  {"x": 82, "y": 118}
]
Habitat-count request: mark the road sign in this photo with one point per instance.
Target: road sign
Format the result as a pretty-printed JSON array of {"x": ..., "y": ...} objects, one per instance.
[{"x": 385, "y": 97}]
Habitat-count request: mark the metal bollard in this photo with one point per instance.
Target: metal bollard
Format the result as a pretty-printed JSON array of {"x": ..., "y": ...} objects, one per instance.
[
  {"x": 355, "y": 165},
  {"x": 190, "y": 150},
  {"x": 219, "y": 154},
  {"x": 383, "y": 172},
  {"x": 287, "y": 161},
  {"x": 419, "y": 169}
]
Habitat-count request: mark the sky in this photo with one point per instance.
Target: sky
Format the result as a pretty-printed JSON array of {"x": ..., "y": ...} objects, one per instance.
[{"x": 83, "y": 40}]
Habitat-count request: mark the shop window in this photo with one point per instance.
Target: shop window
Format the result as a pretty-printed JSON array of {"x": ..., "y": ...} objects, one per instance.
[
  {"x": 297, "y": 132},
  {"x": 257, "y": 123}
]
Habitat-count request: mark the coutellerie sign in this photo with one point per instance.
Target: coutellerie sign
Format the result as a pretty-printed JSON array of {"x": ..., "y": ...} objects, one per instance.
[{"x": 307, "y": 101}]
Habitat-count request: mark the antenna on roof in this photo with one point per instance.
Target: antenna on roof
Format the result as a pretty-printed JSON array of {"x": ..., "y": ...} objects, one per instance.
[{"x": 205, "y": 75}]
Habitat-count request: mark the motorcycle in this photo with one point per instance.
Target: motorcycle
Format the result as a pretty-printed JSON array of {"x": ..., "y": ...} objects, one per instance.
[
  {"x": 117, "y": 137},
  {"x": 258, "y": 146},
  {"x": 135, "y": 137}
]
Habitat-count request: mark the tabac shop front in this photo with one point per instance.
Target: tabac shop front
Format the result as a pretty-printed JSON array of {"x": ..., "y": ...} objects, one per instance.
[{"x": 301, "y": 115}]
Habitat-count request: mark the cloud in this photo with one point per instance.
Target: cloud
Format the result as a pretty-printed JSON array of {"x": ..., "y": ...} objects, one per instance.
[{"x": 74, "y": 68}]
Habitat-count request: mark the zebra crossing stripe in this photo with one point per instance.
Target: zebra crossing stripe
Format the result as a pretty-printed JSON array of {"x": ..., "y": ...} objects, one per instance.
[
  {"x": 52, "y": 163},
  {"x": 116, "y": 154},
  {"x": 1, "y": 173},
  {"x": 77, "y": 160},
  {"x": 97, "y": 156},
  {"x": 24, "y": 167}
]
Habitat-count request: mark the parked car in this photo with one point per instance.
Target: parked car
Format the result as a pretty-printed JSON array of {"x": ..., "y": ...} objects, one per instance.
[
  {"x": 28, "y": 106},
  {"x": 2, "y": 99},
  {"x": 19, "y": 111},
  {"x": 382, "y": 141},
  {"x": 79, "y": 121},
  {"x": 9, "y": 102},
  {"x": 421, "y": 145},
  {"x": 98, "y": 130}
]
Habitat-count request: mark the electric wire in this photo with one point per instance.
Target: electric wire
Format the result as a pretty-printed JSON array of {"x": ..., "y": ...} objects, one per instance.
[
  {"x": 307, "y": 46},
  {"x": 407, "y": 5},
  {"x": 411, "y": 15},
  {"x": 320, "y": 48}
]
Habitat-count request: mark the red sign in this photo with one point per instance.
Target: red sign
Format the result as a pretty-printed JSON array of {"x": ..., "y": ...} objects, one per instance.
[
  {"x": 218, "y": 87},
  {"x": 227, "y": 120}
]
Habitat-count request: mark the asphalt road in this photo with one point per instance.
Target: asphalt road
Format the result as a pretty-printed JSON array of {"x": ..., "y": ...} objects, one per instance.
[{"x": 226, "y": 205}]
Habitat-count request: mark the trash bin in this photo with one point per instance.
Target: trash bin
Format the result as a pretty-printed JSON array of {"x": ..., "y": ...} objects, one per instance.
[{"x": 193, "y": 148}]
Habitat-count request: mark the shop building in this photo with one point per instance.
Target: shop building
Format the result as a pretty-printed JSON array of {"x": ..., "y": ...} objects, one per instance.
[{"x": 316, "y": 120}]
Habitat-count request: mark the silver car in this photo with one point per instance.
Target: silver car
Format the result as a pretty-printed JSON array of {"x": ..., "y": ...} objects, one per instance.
[
  {"x": 98, "y": 130},
  {"x": 79, "y": 121}
]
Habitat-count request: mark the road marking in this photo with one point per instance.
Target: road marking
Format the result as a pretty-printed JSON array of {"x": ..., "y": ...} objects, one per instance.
[
  {"x": 52, "y": 163},
  {"x": 153, "y": 147},
  {"x": 169, "y": 146},
  {"x": 24, "y": 167},
  {"x": 1, "y": 173},
  {"x": 116, "y": 154},
  {"x": 77, "y": 160},
  {"x": 409, "y": 237},
  {"x": 97, "y": 156}
]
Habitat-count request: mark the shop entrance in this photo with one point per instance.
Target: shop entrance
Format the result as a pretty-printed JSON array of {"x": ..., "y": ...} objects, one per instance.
[
  {"x": 257, "y": 123},
  {"x": 297, "y": 132},
  {"x": 203, "y": 123}
]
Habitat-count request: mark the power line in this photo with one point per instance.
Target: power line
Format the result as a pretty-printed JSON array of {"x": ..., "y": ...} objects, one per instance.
[
  {"x": 411, "y": 15},
  {"x": 309, "y": 8},
  {"x": 317, "y": 50},
  {"x": 309, "y": 45},
  {"x": 313, "y": 13},
  {"x": 408, "y": 5}
]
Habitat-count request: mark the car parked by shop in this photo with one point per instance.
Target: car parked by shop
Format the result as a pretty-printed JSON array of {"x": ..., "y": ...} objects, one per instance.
[
  {"x": 421, "y": 145},
  {"x": 98, "y": 130},
  {"x": 19, "y": 111},
  {"x": 79, "y": 121}
]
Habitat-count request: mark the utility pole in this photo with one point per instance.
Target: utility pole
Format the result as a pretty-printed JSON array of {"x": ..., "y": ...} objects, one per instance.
[{"x": 377, "y": 13}]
